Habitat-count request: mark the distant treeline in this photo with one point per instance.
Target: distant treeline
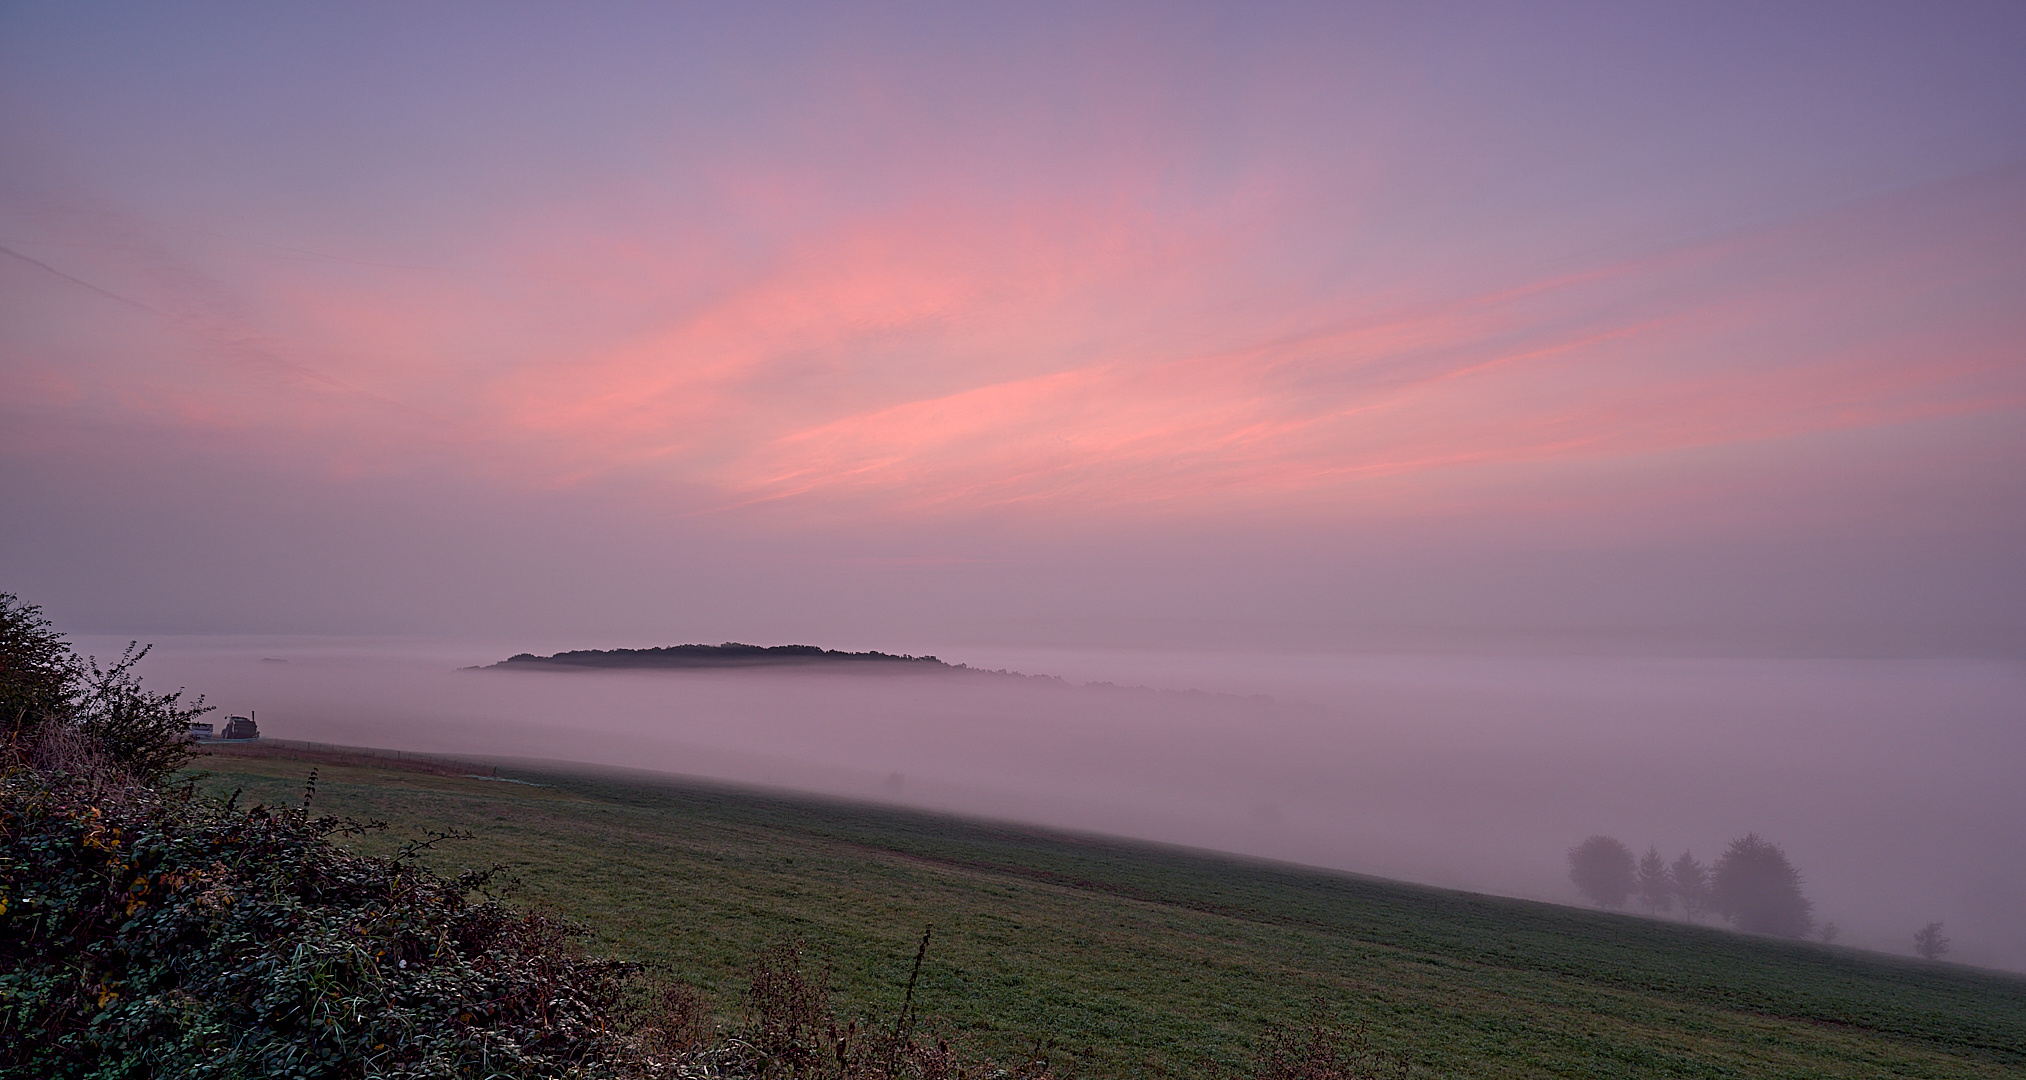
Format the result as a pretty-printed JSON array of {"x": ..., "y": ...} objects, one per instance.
[
  {"x": 1752, "y": 884},
  {"x": 730, "y": 654}
]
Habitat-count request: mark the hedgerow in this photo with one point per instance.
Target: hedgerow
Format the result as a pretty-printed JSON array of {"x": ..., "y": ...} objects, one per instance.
[{"x": 165, "y": 934}]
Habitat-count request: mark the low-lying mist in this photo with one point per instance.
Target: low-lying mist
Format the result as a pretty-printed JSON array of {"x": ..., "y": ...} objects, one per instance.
[{"x": 1893, "y": 786}]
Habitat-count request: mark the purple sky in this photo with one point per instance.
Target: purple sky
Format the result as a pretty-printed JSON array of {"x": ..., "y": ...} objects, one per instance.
[{"x": 905, "y": 326}]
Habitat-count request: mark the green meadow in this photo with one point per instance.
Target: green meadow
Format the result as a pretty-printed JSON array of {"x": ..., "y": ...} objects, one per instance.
[{"x": 1117, "y": 959}]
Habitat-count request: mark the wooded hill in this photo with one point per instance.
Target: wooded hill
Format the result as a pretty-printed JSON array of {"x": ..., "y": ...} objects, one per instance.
[{"x": 731, "y": 654}]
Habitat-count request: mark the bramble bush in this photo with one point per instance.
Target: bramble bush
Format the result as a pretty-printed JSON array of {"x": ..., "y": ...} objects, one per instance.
[
  {"x": 149, "y": 932},
  {"x": 167, "y": 934}
]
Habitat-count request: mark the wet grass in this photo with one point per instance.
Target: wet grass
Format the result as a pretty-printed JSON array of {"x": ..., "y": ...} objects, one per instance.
[{"x": 1122, "y": 960}]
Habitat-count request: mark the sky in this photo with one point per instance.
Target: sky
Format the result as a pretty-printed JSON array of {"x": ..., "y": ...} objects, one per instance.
[
  {"x": 1507, "y": 386},
  {"x": 1247, "y": 324}
]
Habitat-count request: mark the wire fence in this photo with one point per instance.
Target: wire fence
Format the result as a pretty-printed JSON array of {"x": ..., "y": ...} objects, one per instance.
[{"x": 356, "y": 751}]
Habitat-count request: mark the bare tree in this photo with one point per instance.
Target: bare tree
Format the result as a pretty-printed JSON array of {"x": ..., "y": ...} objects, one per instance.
[
  {"x": 1929, "y": 942},
  {"x": 1656, "y": 890},
  {"x": 1602, "y": 868},
  {"x": 1691, "y": 885},
  {"x": 1759, "y": 891},
  {"x": 1827, "y": 933}
]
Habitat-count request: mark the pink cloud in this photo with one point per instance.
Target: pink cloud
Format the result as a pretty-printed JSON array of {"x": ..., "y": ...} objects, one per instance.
[
  {"x": 1087, "y": 354},
  {"x": 1708, "y": 345}
]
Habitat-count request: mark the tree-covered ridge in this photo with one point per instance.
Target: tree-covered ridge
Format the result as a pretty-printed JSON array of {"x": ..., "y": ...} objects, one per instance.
[{"x": 729, "y": 654}]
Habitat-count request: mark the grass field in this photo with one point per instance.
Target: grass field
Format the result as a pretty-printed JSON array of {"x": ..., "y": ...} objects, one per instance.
[{"x": 1125, "y": 960}]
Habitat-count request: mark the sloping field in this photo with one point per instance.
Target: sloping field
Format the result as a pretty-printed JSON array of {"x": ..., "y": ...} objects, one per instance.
[{"x": 1128, "y": 960}]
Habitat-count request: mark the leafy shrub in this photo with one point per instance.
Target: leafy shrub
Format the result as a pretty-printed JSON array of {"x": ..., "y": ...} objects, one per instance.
[
  {"x": 65, "y": 713},
  {"x": 37, "y": 669},
  {"x": 162, "y": 934}
]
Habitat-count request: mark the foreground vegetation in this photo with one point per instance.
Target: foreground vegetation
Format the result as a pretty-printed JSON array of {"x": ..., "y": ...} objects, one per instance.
[
  {"x": 1110, "y": 959},
  {"x": 156, "y": 934},
  {"x": 149, "y": 931}
]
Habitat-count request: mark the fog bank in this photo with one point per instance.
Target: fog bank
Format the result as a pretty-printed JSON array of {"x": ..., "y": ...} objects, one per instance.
[{"x": 1892, "y": 784}]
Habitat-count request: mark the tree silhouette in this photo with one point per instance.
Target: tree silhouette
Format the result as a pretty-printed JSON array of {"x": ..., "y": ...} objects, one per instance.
[
  {"x": 1656, "y": 890},
  {"x": 51, "y": 697},
  {"x": 1602, "y": 868},
  {"x": 38, "y": 672},
  {"x": 145, "y": 732},
  {"x": 1929, "y": 942},
  {"x": 1759, "y": 891},
  {"x": 1691, "y": 885}
]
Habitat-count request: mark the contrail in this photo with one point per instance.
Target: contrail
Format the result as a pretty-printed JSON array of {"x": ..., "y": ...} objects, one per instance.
[
  {"x": 79, "y": 281},
  {"x": 244, "y": 349}
]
